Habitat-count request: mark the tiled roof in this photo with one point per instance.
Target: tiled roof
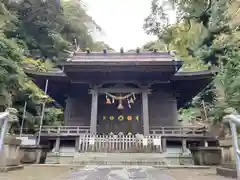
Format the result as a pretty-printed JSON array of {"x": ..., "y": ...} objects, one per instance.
[{"x": 128, "y": 56}]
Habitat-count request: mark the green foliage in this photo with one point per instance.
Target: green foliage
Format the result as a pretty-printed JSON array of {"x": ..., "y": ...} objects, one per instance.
[
  {"x": 150, "y": 46},
  {"x": 53, "y": 116},
  {"x": 206, "y": 32},
  {"x": 34, "y": 34}
]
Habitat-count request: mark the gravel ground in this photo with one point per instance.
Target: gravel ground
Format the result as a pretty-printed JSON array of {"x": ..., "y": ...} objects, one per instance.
[{"x": 109, "y": 173}]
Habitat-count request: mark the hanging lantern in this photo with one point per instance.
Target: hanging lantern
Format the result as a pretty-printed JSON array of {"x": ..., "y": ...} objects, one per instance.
[
  {"x": 108, "y": 101},
  {"x": 131, "y": 100},
  {"x": 120, "y": 106}
]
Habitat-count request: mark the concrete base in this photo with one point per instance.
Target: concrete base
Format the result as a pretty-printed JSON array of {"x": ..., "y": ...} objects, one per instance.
[
  {"x": 9, "y": 155},
  {"x": 31, "y": 154},
  {"x": 206, "y": 155}
]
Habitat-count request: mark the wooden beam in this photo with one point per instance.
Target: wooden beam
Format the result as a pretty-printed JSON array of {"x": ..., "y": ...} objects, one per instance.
[{"x": 145, "y": 113}]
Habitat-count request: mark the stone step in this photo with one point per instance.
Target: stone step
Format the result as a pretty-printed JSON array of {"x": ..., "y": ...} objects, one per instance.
[
  {"x": 114, "y": 162},
  {"x": 132, "y": 158},
  {"x": 60, "y": 158}
]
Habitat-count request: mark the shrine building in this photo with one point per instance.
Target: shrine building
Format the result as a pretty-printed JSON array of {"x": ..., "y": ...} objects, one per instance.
[{"x": 113, "y": 92}]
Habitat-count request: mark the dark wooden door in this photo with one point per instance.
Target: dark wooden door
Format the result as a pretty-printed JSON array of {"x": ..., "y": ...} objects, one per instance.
[{"x": 111, "y": 119}]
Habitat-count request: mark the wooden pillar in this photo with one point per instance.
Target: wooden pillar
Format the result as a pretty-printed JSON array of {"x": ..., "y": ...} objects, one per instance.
[
  {"x": 94, "y": 110},
  {"x": 67, "y": 111},
  {"x": 145, "y": 113},
  {"x": 57, "y": 144}
]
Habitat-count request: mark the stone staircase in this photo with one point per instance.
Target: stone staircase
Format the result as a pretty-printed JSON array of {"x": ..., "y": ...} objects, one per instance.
[
  {"x": 119, "y": 159},
  {"x": 173, "y": 156}
]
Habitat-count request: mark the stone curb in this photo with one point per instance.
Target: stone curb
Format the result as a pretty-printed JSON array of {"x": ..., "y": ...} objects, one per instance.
[
  {"x": 11, "y": 168},
  {"x": 155, "y": 166},
  {"x": 57, "y": 165},
  {"x": 181, "y": 167}
]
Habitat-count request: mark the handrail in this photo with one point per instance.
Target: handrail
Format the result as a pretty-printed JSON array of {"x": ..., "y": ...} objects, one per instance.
[
  {"x": 234, "y": 120},
  {"x": 3, "y": 117}
]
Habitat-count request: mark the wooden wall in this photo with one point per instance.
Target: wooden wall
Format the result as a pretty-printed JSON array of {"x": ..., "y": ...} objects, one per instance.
[{"x": 162, "y": 111}]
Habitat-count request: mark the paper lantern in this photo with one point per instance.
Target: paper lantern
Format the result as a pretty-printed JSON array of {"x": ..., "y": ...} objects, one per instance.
[
  {"x": 108, "y": 101},
  {"x": 120, "y": 106}
]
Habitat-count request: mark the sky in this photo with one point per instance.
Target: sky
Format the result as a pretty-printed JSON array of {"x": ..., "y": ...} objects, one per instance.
[{"x": 121, "y": 20}]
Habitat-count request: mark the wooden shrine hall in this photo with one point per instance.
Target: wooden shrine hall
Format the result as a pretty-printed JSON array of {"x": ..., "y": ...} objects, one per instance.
[{"x": 118, "y": 92}]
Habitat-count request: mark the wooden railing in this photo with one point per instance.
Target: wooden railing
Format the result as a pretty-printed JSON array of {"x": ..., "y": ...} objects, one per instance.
[
  {"x": 116, "y": 143},
  {"x": 154, "y": 130},
  {"x": 178, "y": 130},
  {"x": 69, "y": 130}
]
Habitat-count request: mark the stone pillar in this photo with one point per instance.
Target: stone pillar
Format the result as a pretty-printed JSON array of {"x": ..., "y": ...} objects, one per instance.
[
  {"x": 145, "y": 113},
  {"x": 57, "y": 144},
  {"x": 94, "y": 111},
  {"x": 184, "y": 145}
]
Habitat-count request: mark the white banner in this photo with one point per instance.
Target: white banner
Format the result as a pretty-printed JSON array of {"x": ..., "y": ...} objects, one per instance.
[
  {"x": 91, "y": 141},
  {"x": 156, "y": 142},
  {"x": 145, "y": 142}
]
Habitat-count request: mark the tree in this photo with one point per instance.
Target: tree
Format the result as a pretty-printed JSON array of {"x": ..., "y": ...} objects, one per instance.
[
  {"x": 207, "y": 32},
  {"x": 36, "y": 34}
]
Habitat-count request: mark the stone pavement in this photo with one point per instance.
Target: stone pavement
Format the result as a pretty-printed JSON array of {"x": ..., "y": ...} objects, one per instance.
[
  {"x": 109, "y": 172},
  {"x": 116, "y": 173},
  {"x": 133, "y": 173}
]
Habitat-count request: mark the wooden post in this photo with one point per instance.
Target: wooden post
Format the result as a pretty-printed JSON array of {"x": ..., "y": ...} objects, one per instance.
[
  {"x": 145, "y": 113},
  {"x": 57, "y": 144},
  {"x": 42, "y": 113},
  {"x": 164, "y": 144},
  {"x": 77, "y": 144},
  {"x": 23, "y": 117},
  {"x": 184, "y": 145},
  {"x": 94, "y": 109}
]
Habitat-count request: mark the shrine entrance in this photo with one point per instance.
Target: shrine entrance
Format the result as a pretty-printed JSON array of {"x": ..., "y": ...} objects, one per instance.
[
  {"x": 119, "y": 108},
  {"x": 119, "y": 113}
]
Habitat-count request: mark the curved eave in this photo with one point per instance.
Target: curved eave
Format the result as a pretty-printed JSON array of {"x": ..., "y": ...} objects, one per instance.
[
  {"x": 189, "y": 84},
  {"x": 58, "y": 83},
  {"x": 57, "y": 75}
]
